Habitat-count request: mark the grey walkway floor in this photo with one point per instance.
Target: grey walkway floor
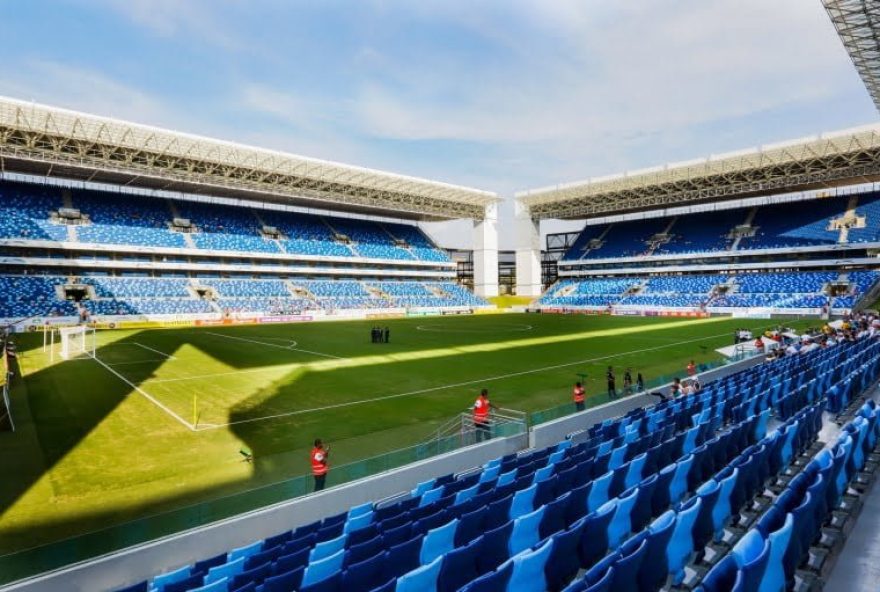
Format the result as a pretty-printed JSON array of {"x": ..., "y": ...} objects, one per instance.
[{"x": 858, "y": 567}]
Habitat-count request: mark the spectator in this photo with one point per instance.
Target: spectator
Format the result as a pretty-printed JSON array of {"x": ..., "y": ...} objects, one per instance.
[{"x": 612, "y": 387}]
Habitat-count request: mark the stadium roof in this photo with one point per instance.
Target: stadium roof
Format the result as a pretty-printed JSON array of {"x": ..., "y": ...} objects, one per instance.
[
  {"x": 858, "y": 24},
  {"x": 48, "y": 141},
  {"x": 825, "y": 161}
]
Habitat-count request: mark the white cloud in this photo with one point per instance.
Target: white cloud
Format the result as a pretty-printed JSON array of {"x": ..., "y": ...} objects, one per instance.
[{"x": 82, "y": 89}]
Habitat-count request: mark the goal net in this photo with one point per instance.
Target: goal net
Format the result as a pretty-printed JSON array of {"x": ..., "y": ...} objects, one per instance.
[{"x": 76, "y": 342}]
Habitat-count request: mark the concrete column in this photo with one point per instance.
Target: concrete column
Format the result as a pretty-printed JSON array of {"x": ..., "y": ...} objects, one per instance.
[
  {"x": 528, "y": 252},
  {"x": 486, "y": 253}
]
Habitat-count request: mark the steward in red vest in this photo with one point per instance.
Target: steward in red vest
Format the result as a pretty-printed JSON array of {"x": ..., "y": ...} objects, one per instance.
[
  {"x": 481, "y": 416},
  {"x": 577, "y": 394},
  {"x": 318, "y": 458}
]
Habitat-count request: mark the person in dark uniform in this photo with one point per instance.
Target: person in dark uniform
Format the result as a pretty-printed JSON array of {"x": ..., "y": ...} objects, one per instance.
[
  {"x": 612, "y": 387},
  {"x": 640, "y": 382},
  {"x": 387, "y": 334},
  {"x": 627, "y": 383}
]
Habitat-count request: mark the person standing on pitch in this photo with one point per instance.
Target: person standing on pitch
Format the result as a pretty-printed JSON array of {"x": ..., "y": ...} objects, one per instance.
[
  {"x": 578, "y": 395},
  {"x": 319, "y": 464},
  {"x": 387, "y": 334},
  {"x": 481, "y": 416},
  {"x": 612, "y": 385},
  {"x": 627, "y": 383}
]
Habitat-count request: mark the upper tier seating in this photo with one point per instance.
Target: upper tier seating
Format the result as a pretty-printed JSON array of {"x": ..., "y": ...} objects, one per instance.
[
  {"x": 701, "y": 233},
  {"x": 305, "y": 234},
  {"x": 225, "y": 228},
  {"x": 868, "y": 206},
  {"x": 24, "y": 212},
  {"x": 581, "y": 244},
  {"x": 628, "y": 239},
  {"x": 122, "y": 219},
  {"x": 629, "y": 507},
  {"x": 141, "y": 221},
  {"x": 419, "y": 244},
  {"x": 796, "y": 225},
  {"x": 370, "y": 239},
  {"x": 776, "y": 226}
]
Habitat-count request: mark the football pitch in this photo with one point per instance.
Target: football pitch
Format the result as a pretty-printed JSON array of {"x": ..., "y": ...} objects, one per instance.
[{"x": 157, "y": 419}]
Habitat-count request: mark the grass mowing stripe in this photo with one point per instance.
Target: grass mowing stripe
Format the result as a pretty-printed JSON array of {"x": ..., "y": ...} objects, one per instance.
[
  {"x": 448, "y": 386},
  {"x": 146, "y": 394}
]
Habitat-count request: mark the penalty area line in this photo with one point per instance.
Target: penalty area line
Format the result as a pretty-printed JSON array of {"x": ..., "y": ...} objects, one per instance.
[
  {"x": 147, "y": 395},
  {"x": 458, "y": 384},
  {"x": 275, "y": 345},
  {"x": 161, "y": 353}
]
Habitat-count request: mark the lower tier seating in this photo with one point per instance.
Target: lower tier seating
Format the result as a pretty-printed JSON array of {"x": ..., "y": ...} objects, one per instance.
[
  {"x": 789, "y": 290},
  {"x": 28, "y": 296}
]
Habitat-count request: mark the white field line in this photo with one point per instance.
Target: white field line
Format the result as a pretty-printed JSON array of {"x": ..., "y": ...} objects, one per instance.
[
  {"x": 458, "y": 384},
  {"x": 285, "y": 347},
  {"x": 169, "y": 356},
  {"x": 146, "y": 395},
  {"x": 131, "y": 362}
]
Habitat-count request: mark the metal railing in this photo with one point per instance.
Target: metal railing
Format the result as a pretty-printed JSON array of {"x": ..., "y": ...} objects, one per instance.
[{"x": 502, "y": 423}]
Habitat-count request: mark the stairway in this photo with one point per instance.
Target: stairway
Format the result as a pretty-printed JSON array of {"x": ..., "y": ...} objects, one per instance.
[
  {"x": 299, "y": 292},
  {"x": 350, "y": 245},
  {"x": 656, "y": 244},
  {"x": 750, "y": 217},
  {"x": 394, "y": 238},
  {"x": 600, "y": 239}
]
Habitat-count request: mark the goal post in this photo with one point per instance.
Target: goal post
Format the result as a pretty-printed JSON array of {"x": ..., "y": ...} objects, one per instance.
[{"x": 76, "y": 342}]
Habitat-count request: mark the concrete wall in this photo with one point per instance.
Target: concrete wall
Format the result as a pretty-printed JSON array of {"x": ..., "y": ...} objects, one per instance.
[
  {"x": 528, "y": 252},
  {"x": 143, "y": 561},
  {"x": 486, "y": 253}
]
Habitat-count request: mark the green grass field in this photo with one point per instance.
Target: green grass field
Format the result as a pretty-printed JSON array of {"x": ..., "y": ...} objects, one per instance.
[{"x": 104, "y": 441}]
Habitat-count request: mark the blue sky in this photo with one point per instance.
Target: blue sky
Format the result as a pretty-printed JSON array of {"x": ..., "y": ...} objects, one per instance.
[{"x": 500, "y": 95}]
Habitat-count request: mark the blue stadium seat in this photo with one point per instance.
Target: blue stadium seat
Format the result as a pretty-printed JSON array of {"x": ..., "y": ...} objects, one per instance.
[
  {"x": 681, "y": 544},
  {"x": 459, "y": 566},
  {"x": 528, "y": 569},
  {"x": 751, "y": 554}
]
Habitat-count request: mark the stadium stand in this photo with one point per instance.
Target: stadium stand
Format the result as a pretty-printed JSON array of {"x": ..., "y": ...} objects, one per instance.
[
  {"x": 127, "y": 228},
  {"x": 120, "y": 296},
  {"x": 30, "y": 212},
  {"x": 701, "y": 490},
  {"x": 783, "y": 290},
  {"x": 775, "y": 226},
  {"x": 130, "y": 221},
  {"x": 25, "y": 213}
]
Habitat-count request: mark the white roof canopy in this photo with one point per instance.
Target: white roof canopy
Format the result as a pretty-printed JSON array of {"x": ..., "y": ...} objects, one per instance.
[
  {"x": 858, "y": 25},
  {"x": 825, "y": 161},
  {"x": 42, "y": 140}
]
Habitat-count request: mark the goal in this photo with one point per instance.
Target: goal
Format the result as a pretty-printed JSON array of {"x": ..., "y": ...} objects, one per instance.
[{"x": 75, "y": 341}]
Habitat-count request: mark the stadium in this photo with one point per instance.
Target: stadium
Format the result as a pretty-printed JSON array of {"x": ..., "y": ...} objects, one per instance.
[{"x": 679, "y": 394}]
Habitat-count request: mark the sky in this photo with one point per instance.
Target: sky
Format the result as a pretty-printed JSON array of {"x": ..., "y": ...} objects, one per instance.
[{"x": 503, "y": 96}]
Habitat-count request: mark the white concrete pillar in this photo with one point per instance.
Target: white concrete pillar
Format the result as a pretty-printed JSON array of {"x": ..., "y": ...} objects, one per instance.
[
  {"x": 486, "y": 253},
  {"x": 528, "y": 252}
]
